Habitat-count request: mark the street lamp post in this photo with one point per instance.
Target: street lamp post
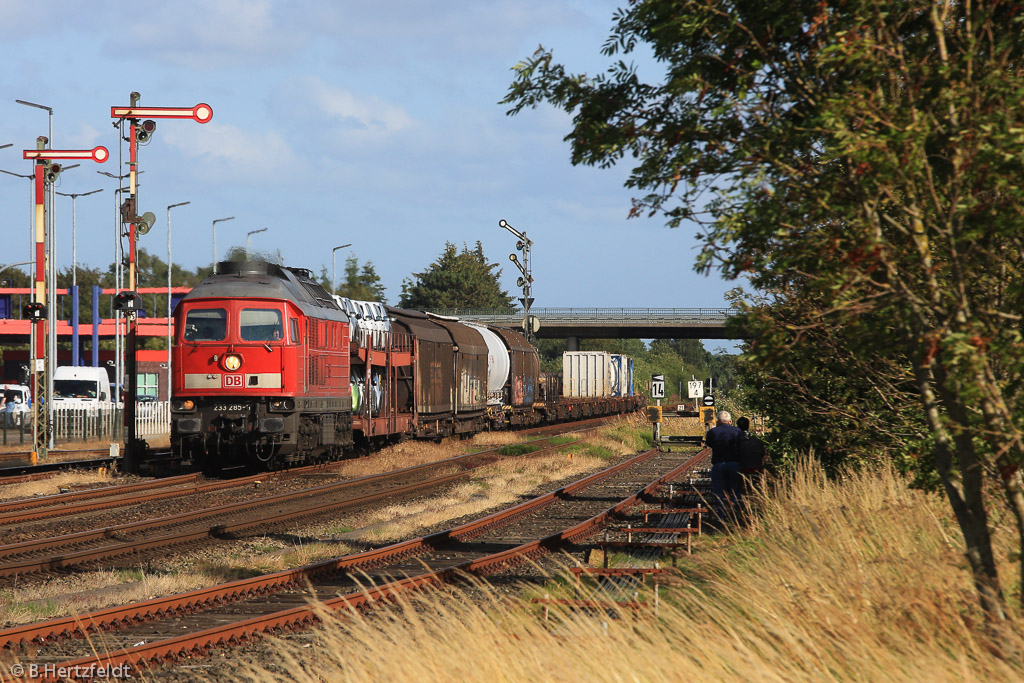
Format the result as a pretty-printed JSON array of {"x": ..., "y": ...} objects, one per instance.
[
  {"x": 74, "y": 268},
  {"x": 248, "y": 240},
  {"x": 334, "y": 254},
  {"x": 49, "y": 110},
  {"x": 215, "y": 222},
  {"x": 170, "y": 267},
  {"x": 74, "y": 230}
]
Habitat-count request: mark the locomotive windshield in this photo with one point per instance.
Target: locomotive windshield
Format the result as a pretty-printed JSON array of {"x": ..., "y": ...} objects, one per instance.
[
  {"x": 261, "y": 324},
  {"x": 206, "y": 324}
]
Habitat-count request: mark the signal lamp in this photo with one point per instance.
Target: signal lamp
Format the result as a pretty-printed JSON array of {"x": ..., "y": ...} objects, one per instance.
[
  {"x": 52, "y": 172},
  {"x": 519, "y": 245},
  {"x": 144, "y": 131},
  {"x": 520, "y": 282},
  {"x": 126, "y": 301},
  {"x": 231, "y": 362},
  {"x": 34, "y": 311}
]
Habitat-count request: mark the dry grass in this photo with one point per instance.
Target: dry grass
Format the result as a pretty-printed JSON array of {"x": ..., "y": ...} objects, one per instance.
[
  {"x": 53, "y": 485},
  {"x": 501, "y": 484},
  {"x": 411, "y": 453},
  {"x": 64, "y": 596},
  {"x": 861, "y": 579},
  {"x": 78, "y": 593}
]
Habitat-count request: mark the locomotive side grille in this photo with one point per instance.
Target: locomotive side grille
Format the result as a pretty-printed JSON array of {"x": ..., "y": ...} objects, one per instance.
[
  {"x": 263, "y": 380},
  {"x": 202, "y": 381}
]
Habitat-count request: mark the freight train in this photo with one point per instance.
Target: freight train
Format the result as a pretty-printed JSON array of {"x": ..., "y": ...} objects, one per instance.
[{"x": 269, "y": 369}]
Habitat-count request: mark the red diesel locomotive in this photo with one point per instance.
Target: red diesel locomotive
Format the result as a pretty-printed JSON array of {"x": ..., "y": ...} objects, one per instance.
[{"x": 269, "y": 369}]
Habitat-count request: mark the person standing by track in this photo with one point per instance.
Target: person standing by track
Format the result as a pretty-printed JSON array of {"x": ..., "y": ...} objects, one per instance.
[
  {"x": 753, "y": 455},
  {"x": 726, "y": 482}
]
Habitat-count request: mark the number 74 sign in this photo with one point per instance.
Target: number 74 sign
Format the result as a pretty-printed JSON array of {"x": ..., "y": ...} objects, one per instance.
[{"x": 695, "y": 388}]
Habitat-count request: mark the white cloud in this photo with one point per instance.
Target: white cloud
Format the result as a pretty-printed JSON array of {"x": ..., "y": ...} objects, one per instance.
[
  {"x": 213, "y": 33},
  {"x": 363, "y": 111},
  {"x": 248, "y": 153},
  {"x": 88, "y": 136}
]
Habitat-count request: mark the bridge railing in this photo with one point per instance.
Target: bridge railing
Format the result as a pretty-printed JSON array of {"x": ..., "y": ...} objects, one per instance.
[{"x": 639, "y": 315}]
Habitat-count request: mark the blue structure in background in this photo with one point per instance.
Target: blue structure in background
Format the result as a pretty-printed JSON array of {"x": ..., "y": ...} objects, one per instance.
[{"x": 96, "y": 325}]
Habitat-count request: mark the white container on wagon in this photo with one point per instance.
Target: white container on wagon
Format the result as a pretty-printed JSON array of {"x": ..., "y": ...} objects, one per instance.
[
  {"x": 622, "y": 375},
  {"x": 586, "y": 374}
]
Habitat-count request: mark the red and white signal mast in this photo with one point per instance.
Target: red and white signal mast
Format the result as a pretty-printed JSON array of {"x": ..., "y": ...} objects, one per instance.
[
  {"x": 127, "y": 300},
  {"x": 46, "y": 172}
]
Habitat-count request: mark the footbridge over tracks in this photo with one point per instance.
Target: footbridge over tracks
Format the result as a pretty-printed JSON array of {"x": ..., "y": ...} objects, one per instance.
[{"x": 609, "y": 323}]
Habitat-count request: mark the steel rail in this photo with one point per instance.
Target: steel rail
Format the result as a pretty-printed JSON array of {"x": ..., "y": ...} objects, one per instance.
[
  {"x": 68, "y": 499},
  {"x": 200, "y": 599},
  {"x": 65, "y": 560},
  {"x": 202, "y": 642},
  {"x": 8, "y": 473}
]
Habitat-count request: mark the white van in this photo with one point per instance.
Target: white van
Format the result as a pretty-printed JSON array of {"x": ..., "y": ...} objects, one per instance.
[
  {"x": 78, "y": 385},
  {"x": 16, "y": 409}
]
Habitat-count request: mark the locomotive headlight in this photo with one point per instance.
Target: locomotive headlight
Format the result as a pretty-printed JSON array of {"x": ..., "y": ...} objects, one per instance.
[
  {"x": 231, "y": 362},
  {"x": 282, "y": 404}
]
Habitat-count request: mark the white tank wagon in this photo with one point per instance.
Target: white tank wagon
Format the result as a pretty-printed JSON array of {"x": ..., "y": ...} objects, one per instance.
[{"x": 498, "y": 363}]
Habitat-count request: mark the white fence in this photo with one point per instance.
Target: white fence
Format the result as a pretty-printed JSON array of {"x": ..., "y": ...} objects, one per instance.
[{"x": 88, "y": 423}]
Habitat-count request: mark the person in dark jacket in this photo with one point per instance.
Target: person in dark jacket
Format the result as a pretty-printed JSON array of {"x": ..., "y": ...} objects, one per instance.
[
  {"x": 726, "y": 482},
  {"x": 753, "y": 455}
]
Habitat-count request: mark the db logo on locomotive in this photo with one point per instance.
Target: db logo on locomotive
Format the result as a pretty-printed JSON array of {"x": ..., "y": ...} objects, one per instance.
[{"x": 233, "y": 381}]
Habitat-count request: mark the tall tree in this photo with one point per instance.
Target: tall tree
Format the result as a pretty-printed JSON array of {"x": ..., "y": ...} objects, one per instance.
[
  {"x": 858, "y": 163},
  {"x": 362, "y": 284},
  {"x": 457, "y": 279}
]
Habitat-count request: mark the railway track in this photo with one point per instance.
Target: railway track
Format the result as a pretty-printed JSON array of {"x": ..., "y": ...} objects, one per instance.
[
  {"x": 175, "y": 627},
  {"x": 93, "y": 548},
  {"x": 68, "y": 504},
  {"x": 21, "y": 473}
]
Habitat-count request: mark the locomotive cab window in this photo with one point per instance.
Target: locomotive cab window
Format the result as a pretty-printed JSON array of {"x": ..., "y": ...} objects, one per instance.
[
  {"x": 295, "y": 330},
  {"x": 260, "y": 324},
  {"x": 206, "y": 324}
]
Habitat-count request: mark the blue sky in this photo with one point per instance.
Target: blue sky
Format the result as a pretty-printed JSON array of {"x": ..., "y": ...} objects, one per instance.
[{"x": 334, "y": 122}]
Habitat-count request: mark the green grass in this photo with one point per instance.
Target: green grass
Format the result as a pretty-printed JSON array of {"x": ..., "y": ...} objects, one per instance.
[
  {"x": 629, "y": 436},
  {"x": 513, "y": 449},
  {"x": 601, "y": 452}
]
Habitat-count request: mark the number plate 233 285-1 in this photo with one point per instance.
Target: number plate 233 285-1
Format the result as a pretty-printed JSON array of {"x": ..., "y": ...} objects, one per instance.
[
  {"x": 234, "y": 381},
  {"x": 230, "y": 408}
]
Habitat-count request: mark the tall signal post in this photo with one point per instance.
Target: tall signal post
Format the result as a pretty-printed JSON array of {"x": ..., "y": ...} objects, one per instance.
[
  {"x": 127, "y": 301},
  {"x": 525, "y": 282},
  {"x": 46, "y": 173}
]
